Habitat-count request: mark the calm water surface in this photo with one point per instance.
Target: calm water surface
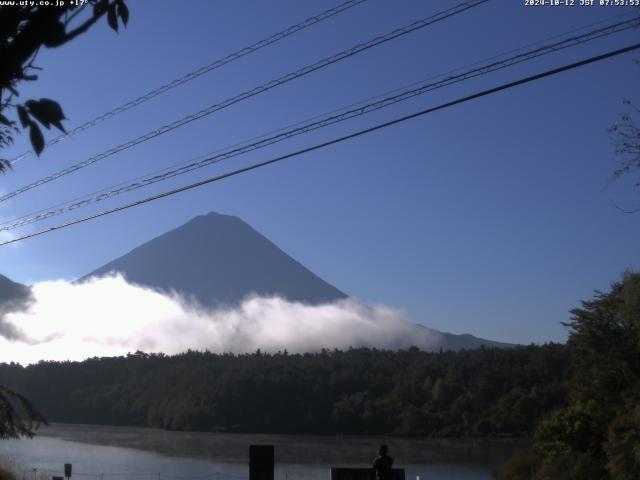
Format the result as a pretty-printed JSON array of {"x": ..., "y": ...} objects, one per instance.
[{"x": 125, "y": 453}]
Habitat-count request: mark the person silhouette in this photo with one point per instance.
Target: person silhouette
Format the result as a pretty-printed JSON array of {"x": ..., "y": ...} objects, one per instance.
[{"x": 382, "y": 464}]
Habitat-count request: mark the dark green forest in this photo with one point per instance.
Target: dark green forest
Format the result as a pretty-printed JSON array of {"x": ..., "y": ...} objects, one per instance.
[
  {"x": 596, "y": 435},
  {"x": 483, "y": 392}
]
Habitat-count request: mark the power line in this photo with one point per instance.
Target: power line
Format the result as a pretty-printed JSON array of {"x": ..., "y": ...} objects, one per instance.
[
  {"x": 296, "y": 124},
  {"x": 255, "y": 91},
  {"x": 305, "y": 128},
  {"x": 334, "y": 141},
  {"x": 201, "y": 71}
]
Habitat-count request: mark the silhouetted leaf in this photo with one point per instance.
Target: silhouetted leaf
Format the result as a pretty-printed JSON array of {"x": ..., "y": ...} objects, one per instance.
[
  {"x": 54, "y": 107},
  {"x": 99, "y": 7},
  {"x": 5, "y": 121},
  {"x": 4, "y": 165},
  {"x": 37, "y": 140},
  {"x": 56, "y": 113},
  {"x": 52, "y": 33},
  {"x": 41, "y": 115},
  {"x": 59, "y": 126},
  {"x": 123, "y": 12},
  {"x": 112, "y": 19},
  {"x": 23, "y": 116},
  {"x": 47, "y": 112}
]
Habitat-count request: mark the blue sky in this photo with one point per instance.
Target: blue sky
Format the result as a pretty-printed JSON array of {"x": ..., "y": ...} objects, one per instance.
[{"x": 488, "y": 217}]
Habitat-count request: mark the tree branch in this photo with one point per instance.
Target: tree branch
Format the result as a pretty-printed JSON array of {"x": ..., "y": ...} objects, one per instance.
[{"x": 86, "y": 25}]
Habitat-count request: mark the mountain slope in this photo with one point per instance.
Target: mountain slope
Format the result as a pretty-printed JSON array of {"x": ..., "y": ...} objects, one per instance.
[
  {"x": 12, "y": 292},
  {"x": 13, "y": 296},
  {"x": 219, "y": 259},
  {"x": 465, "y": 341}
]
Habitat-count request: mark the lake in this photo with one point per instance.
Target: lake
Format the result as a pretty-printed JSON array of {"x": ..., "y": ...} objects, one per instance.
[{"x": 126, "y": 453}]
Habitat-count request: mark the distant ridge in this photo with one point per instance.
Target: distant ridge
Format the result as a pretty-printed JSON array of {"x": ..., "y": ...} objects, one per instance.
[
  {"x": 219, "y": 259},
  {"x": 13, "y": 296},
  {"x": 466, "y": 341},
  {"x": 12, "y": 292}
]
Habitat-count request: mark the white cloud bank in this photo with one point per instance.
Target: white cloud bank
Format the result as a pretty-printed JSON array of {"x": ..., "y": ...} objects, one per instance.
[{"x": 108, "y": 316}]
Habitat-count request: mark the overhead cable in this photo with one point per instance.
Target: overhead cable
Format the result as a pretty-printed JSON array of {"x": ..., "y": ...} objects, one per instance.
[
  {"x": 250, "y": 93},
  {"x": 199, "y": 72},
  {"x": 334, "y": 141},
  {"x": 324, "y": 122}
]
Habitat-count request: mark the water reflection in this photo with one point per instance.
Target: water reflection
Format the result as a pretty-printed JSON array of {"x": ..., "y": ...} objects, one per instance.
[{"x": 124, "y": 453}]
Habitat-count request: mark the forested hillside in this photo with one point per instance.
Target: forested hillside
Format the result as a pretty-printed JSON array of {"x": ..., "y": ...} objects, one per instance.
[
  {"x": 597, "y": 434},
  {"x": 478, "y": 392}
]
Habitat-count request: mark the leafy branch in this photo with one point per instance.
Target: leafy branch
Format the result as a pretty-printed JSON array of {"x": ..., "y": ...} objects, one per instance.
[
  {"x": 18, "y": 417},
  {"x": 24, "y": 30}
]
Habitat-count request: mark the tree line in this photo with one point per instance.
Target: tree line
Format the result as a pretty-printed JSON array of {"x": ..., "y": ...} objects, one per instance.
[{"x": 481, "y": 392}]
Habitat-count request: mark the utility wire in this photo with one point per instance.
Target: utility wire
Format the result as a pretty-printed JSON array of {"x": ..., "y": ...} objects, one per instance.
[
  {"x": 200, "y": 71},
  {"x": 255, "y": 91},
  {"x": 315, "y": 117},
  {"x": 324, "y": 122},
  {"x": 334, "y": 141}
]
